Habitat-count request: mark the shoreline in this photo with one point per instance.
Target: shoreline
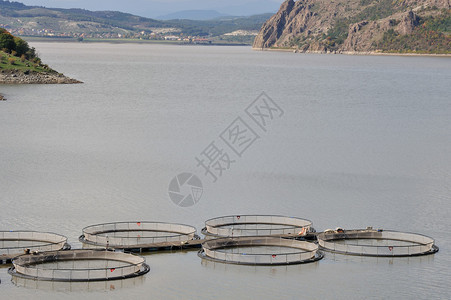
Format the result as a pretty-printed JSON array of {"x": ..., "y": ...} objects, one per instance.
[
  {"x": 358, "y": 53},
  {"x": 178, "y": 43},
  {"x": 18, "y": 77},
  {"x": 129, "y": 41}
]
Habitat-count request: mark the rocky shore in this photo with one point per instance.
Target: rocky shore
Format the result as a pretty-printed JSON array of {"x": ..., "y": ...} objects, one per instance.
[
  {"x": 29, "y": 77},
  {"x": 376, "y": 53}
]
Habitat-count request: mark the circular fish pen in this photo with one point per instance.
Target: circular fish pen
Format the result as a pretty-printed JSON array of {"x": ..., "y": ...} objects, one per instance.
[
  {"x": 256, "y": 225},
  {"x": 78, "y": 266},
  {"x": 260, "y": 251},
  {"x": 138, "y": 235},
  {"x": 14, "y": 243},
  {"x": 378, "y": 243}
]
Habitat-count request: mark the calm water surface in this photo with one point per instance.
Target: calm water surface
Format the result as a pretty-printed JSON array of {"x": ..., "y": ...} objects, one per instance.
[{"x": 364, "y": 141}]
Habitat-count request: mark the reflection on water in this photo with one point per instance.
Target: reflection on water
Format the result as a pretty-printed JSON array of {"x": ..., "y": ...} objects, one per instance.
[
  {"x": 423, "y": 261},
  {"x": 268, "y": 270},
  {"x": 97, "y": 286}
]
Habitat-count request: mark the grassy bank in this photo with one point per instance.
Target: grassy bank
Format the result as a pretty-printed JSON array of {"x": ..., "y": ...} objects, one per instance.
[
  {"x": 10, "y": 63},
  {"x": 19, "y": 64}
]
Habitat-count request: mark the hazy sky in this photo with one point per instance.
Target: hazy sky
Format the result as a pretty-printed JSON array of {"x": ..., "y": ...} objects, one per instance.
[{"x": 154, "y": 8}]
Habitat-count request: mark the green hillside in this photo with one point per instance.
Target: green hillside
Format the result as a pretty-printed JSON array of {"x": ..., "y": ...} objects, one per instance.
[
  {"x": 16, "y": 55},
  {"x": 37, "y": 21}
]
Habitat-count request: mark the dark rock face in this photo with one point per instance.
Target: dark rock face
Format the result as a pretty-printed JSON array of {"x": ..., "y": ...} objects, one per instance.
[
  {"x": 291, "y": 18},
  {"x": 408, "y": 23}
]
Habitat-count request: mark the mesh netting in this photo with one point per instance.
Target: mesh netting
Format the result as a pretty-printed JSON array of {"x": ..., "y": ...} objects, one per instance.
[
  {"x": 78, "y": 265},
  {"x": 13, "y": 243},
  {"x": 137, "y": 235},
  {"x": 253, "y": 225},
  {"x": 78, "y": 286},
  {"x": 260, "y": 251},
  {"x": 376, "y": 243}
]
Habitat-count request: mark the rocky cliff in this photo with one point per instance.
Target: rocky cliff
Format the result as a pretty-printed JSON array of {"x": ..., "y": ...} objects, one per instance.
[{"x": 422, "y": 26}]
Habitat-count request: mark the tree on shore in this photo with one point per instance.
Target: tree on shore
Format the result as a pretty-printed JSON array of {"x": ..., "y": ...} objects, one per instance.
[
  {"x": 15, "y": 45},
  {"x": 6, "y": 40}
]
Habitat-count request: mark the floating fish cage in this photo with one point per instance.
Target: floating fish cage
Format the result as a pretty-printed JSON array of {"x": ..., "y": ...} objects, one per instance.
[
  {"x": 14, "y": 243},
  {"x": 138, "y": 235},
  {"x": 254, "y": 225},
  {"x": 369, "y": 242},
  {"x": 260, "y": 251},
  {"x": 78, "y": 266}
]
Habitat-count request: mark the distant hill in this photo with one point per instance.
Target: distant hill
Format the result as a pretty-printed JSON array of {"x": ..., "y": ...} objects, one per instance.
[
  {"x": 155, "y": 8},
  {"x": 401, "y": 26},
  {"x": 26, "y": 20},
  {"x": 220, "y": 25},
  {"x": 33, "y": 19},
  {"x": 200, "y": 15}
]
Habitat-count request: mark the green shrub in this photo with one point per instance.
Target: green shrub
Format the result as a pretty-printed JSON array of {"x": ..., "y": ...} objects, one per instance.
[
  {"x": 21, "y": 46},
  {"x": 337, "y": 34},
  {"x": 420, "y": 41},
  {"x": 366, "y": 2},
  {"x": 6, "y": 40},
  {"x": 381, "y": 9},
  {"x": 440, "y": 23},
  {"x": 14, "y": 45}
]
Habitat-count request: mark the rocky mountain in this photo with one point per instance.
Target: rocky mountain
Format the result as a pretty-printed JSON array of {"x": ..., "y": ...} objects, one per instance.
[{"x": 421, "y": 26}]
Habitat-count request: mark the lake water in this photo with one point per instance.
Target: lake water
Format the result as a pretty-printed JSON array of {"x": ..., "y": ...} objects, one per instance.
[{"x": 363, "y": 141}]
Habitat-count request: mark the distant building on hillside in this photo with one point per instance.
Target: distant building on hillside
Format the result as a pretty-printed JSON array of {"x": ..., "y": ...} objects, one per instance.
[{"x": 171, "y": 38}]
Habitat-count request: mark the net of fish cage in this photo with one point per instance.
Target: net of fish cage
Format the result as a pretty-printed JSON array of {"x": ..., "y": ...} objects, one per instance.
[
  {"x": 260, "y": 251},
  {"x": 14, "y": 243},
  {"x": 137, "y": 235},
  {"x": 256, "y": 225},
  {"x": 370, "y": 242},
  {"x": 78, "y": 266}
]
